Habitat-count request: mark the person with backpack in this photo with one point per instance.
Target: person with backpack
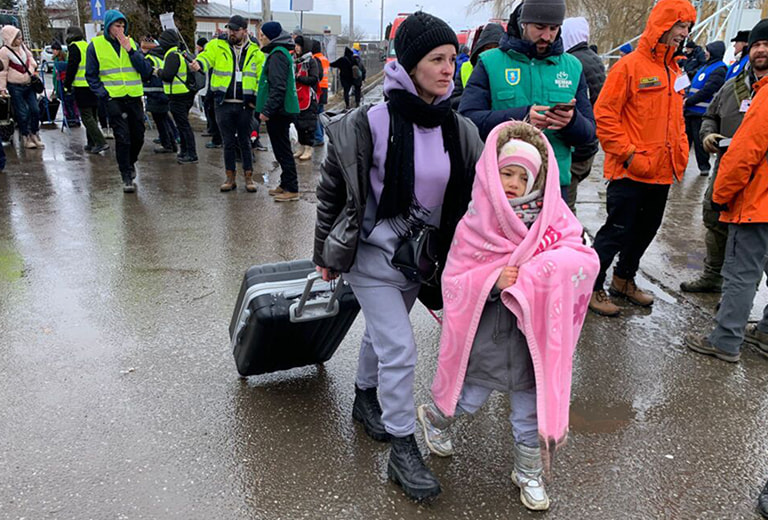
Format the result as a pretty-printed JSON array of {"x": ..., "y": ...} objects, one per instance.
[
  {"x": 235, "y": 63},
  {"x": 308, "y": 73},
  {"x": 174, "y": 75},
  {"x": 16, "y": 79},
  {"x": 351, "y": 74}
]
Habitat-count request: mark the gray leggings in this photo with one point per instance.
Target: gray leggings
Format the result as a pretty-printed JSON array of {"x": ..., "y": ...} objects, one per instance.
[
  {"x": 525, "y": 426},
  {"x": 388, "y": 353}
]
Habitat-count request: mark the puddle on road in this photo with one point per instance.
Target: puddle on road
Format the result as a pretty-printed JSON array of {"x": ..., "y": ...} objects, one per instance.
[
  {"x": 591, "y": 418},
  {"x": 11, "y": 265}
]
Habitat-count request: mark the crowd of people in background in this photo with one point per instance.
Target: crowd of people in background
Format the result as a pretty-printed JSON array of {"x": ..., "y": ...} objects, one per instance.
[{"x": 482, "y": 150}]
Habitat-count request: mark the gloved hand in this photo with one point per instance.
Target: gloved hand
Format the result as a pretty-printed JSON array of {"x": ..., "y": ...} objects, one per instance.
[
  {"x": 719, "y": 207},
  {"x": 710, "y": 142}
]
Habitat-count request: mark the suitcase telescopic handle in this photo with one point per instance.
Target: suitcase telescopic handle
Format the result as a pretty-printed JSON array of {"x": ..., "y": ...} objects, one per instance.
[{"x": 304, "y": 310}]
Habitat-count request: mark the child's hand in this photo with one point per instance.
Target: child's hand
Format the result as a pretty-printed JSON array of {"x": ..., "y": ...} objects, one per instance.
[{"x": 507, "y": 278}]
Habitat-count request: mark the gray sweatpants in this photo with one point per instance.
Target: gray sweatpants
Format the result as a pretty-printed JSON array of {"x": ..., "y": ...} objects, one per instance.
[
  {"x": 525, "y": 425},
  {"x": 745, "y": 262},
  {"x": 388, "y": 353}
]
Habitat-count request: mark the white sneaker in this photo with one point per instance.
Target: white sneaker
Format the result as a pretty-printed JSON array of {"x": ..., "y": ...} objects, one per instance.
[{"x": 528, "y": 476}]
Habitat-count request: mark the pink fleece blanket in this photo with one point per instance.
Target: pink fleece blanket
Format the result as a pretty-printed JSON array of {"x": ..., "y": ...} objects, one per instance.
[{"x": 549, "y": 299}]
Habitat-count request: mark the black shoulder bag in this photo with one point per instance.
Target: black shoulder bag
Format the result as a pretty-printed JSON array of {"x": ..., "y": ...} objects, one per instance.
[{"x": 36, "y": 83}]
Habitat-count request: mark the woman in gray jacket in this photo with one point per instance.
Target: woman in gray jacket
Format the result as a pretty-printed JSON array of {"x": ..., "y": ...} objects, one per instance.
[{"x": 390, "y": 169}]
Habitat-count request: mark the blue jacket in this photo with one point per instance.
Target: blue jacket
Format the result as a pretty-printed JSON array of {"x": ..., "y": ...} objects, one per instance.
[
  {"x": 476, "y": 99},
  {"x": 737, "y": 66},
  {"x": 142, "y": 66}
]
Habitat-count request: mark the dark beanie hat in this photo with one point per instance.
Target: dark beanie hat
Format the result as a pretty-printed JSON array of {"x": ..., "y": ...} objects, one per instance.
[
  {"x": 202, "y": 42},
  {"x": 299, "y": 40},
  {"x": 759, "y": 32},
  {"x": 418, "y": 34},
  {"x": 272, "y": 29},
  {"x": 547, "y": 12},
  {"x": 56, "y": 46}
]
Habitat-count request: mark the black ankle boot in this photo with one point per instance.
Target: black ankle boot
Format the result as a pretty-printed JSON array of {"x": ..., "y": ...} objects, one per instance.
[
  {"x": 367, "y": 411},
  {"x": 407, "y": 468}
]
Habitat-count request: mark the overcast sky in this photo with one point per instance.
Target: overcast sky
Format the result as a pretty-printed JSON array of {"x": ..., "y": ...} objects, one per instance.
[{"x": 368, "y": 12}]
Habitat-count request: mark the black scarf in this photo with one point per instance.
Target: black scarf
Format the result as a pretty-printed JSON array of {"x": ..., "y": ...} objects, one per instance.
[{"x": 397, "y": 196}]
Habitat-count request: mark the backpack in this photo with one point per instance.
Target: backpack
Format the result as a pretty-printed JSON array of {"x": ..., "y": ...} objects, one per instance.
[
  {"x": 196, "y": 80},
  {"x": 357, "y": 71}
]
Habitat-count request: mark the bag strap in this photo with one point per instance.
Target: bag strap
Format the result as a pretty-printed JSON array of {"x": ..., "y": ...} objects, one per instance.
[{"x": 19, "y": 58}]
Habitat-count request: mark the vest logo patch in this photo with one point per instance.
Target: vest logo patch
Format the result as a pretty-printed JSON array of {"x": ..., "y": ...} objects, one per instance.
[
  {"x": 512, "y": 76},
  {"x": 562, "y": 80},
  {"x": 702, "y": 76},
  {"x": 650, "y": 81}
]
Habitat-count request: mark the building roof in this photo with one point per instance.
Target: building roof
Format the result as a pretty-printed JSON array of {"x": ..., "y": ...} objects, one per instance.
[{"x": 214, "y": 10}]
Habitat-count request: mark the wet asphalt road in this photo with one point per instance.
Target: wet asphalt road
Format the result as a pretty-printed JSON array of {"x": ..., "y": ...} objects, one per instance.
[{"x": 120, "y": 397}]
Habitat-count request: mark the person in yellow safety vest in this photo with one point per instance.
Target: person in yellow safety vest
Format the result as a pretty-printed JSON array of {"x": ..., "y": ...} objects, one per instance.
[
  {"x": 115, "y": 69},
  {"x": 181, "y": 99},
  {"x": 235, "y": 64},
  {"x": 156, "y": 100},
  {"x": 86, "y": 100}
]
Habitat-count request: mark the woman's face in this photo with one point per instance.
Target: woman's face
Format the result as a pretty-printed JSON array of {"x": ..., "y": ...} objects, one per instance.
[
  {"x": 16, "y": 41},
  {"x": 433, "y": 74}
]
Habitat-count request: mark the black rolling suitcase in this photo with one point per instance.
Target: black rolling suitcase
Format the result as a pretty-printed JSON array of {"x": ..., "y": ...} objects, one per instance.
[
  {"x": 48, "y": 109},
  {"x": 286, "y": 316}
]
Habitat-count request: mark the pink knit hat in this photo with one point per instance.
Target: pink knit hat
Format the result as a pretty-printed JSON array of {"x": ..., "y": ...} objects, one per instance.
[{"x": 520, "y": 153}]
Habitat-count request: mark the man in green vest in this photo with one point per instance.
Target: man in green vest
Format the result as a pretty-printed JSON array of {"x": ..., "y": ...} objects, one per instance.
[
  {"x": 115, "y": 69},
  {"x": 174, "y": 76},
  {"x": 86, "y": 100},
  {"x": 530, "y": 76},
  {"x": 235, "y": 65},
  {"x": 278, "y": 105}
]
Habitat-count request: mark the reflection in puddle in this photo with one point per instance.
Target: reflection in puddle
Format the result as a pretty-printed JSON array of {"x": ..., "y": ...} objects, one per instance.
[{"x": 588, "y": 418}]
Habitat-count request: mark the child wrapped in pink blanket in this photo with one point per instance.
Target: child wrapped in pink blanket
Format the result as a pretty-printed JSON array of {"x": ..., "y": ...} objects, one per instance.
[{"x": 515, "y": 288}]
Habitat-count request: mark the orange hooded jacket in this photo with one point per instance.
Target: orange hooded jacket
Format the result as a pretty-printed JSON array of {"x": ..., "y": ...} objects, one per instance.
[
  {"x": 742, "y": 177},
  {"x": 639, "y": 110}
]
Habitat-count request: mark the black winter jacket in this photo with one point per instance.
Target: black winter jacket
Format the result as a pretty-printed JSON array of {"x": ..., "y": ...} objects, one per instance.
[
  {"x": 345, "y": 181},
  {"x": 277, "y": 67},
  {"x": 594, "y": 73}
]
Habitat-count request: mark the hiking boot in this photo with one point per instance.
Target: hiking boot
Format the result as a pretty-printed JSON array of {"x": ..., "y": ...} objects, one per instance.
[
  {"x": 129, "y": 187},
  {"x": 435, "y": 426},
  {"x": 528, "y": 476},
  {"x": 28, "y": 142},
  {"x": 307, "y": 155},
  {"x": 213, "y": 145},
  {"x": 406, "y": 467},
  {"x": 286, "y": 196},
  {"x": 702, "y": 285},
  {"x": 601, "y": 304},
  {"x": 163, "y": 149},
  {"x": 702, "y": 345},
  {"x": 629, "y": 290},
  {"x": 250, "y": 186},
  {"x": 762, "y": 502},
  {"x": 37, "y": 140},
  {"x": 276, "y": 191},
  {"x": 757, "y": 338},
  {"x": 367, "y": 411},
  {"x": 98, "y": 149},
  {"x": 230, "y": 183}
]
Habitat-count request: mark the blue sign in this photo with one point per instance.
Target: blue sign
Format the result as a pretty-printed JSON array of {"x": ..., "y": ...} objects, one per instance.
[{"x": 97, "y": 10}]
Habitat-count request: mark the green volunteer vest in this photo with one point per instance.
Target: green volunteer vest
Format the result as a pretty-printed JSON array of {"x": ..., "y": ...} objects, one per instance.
[
  {"x": 80, "y": 81},
  {"x": 517, "y": 81},
  {"x": 116, "y": 71},
  {"x": 219, "y": 57},
  {"x": 291, "y": 104},
  {"x": 177, "y": 84}
]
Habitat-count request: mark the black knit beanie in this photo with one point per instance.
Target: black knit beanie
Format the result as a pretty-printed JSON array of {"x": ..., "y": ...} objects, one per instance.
[
  {"x": 759, "y": 32},
  {"x": 418, "y": 34},
  {"x": 545, "y": 12}
]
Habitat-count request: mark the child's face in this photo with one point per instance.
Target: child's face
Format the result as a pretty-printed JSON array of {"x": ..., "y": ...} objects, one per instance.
[{"x": 514, "y": 180}]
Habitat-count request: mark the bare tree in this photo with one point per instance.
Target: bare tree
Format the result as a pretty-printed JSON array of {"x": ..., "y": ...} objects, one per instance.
[
  {"x": 499, "y": 8},
  {"x": 357, "y": 34}
]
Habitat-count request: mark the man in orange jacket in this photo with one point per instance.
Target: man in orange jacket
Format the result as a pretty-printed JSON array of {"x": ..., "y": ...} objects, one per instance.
[
  {"x": 322, "y": 90},
  {"x": 741, "y": 196},
  {"x": 640, "y": 125}
]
